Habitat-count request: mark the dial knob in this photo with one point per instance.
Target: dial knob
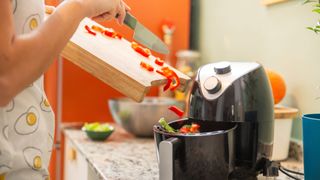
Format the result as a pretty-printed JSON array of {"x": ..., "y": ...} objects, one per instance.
[
  {"x": 222, "y": 68},
  {"x": 212, "y": 84}
]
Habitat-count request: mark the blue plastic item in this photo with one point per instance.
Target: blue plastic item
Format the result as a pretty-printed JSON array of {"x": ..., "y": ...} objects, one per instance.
[{"x": 311, "y": 146}]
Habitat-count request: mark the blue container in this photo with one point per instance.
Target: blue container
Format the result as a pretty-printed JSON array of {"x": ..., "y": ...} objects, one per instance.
[{"x": 311, "y": 146}]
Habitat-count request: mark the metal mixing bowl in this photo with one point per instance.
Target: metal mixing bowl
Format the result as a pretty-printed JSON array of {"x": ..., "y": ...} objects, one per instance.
[{"x": 139, "y": 118}]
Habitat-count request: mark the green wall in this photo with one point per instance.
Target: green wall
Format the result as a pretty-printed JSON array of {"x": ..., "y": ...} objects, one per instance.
[{"x": 275, "y": 36}]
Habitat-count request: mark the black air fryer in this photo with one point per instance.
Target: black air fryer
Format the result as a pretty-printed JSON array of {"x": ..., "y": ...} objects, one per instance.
[
  {"x": 234, "y": 106},
  {"x": 237, "y": 92}
]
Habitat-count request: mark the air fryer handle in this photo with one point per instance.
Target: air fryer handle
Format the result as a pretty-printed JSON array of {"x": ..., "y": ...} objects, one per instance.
[{"x": 167, "y": 152}]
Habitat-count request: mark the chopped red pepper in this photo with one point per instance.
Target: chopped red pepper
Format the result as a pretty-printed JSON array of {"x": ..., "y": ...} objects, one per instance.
[
  {"x": 159, "y": 61},
  {"x": 146, "y": 66},
  {"x": 167, "y": 72},
  {"x": 184, "y": 129},
  {"x": 89, "y": 30},
  {"x": 167, "y": 86},
  {"x": 194, "y": 128},
  {"x": 97, "y": 28},
  {"x": 112, "y": 34},
  {"x": 170, "y": 74},
  {"x": 160, "y": 72},
  {"x": 176, "y": 84},
  {"x": 176, "y": 110},
  {"x": 117, "y": 35},
  {"x": 106, "y": 32},
  {"x": 143, "y": 51},
  {"x": 169, "y": 80},
  {"x": 109, "y": 33}
]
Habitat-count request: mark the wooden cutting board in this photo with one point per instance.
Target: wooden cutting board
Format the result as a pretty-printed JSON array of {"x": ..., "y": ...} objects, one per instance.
[{"x": 114, "y": 62}]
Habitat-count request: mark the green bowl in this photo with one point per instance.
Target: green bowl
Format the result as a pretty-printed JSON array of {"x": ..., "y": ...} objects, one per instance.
[{"x": 99, "y": 135}]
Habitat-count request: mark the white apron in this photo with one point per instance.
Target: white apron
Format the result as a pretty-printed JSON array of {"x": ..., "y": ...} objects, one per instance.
[{"x": 27, "y": 122}]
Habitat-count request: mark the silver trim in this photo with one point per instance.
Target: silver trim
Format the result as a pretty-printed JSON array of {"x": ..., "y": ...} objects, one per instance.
[
  {"x": 166, "y": 158},
  {"x": 238, "y": 69}
]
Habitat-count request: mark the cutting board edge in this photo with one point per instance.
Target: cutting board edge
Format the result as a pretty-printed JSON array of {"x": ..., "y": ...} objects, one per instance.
[{"x": 79, "y": 58}]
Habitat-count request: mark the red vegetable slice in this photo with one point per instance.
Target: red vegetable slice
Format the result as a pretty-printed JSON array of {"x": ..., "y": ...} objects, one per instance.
[
  {"x": 89, "y": 30},
  {"x": 119, "y": 36},
  {"x": 146, "y": 66},
  {"x": 167, "y": 86},
  {"x": 159, "y": 61},
  {"x": 176, "y": 110},
  {"x": 160, "y": 72},
  {"x": 194, "y": 128},
  {"x": 97, "y": 28},
  {"x": 106, "y": 32},
  {"x": 176, "y": 83},
  {"x": 170, "y": 74},
  {"x": 143, "y": 51},
  {"x": 109, "y": 33},
  {"x": 184, "y": 129}
]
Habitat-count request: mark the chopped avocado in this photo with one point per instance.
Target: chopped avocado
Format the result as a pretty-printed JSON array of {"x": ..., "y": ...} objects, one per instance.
[
  {"x": 91, "y": 126},
  {"x": 97, "y": 127},
  {"x": 166, "y": 126}
]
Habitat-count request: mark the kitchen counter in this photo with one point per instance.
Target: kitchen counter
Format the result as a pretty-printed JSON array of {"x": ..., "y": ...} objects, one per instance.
[
  {"x": 124, "y": 157},
  {"x": 121, "y": 156}
]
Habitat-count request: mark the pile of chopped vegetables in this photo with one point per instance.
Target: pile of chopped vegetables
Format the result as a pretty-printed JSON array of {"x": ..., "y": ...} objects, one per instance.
[
  {"x": 107, "y": 32},
  {"x": 185, "y": 129},
  {"x": 173, "y": 81}
]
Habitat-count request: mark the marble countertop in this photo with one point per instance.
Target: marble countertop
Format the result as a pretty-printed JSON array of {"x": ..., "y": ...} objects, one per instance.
[
  {"x": 121, "y": 156},
  {"x": 125, "y": 157}
]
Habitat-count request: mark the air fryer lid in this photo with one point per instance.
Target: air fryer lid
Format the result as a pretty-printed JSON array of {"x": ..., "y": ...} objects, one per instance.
[{"x": 215, "y": 78}]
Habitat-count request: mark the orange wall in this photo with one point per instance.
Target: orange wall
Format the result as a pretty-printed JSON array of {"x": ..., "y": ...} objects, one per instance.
[{"x": 85, "y": 98}]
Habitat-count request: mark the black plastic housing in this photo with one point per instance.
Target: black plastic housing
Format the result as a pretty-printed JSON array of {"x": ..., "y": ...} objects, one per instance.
[
  {"x": 248, "y": 102},
  {"x": 202, "y": 156}
]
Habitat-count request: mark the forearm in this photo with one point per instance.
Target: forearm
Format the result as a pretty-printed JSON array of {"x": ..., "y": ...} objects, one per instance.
[{"x": 28, "y": 56}]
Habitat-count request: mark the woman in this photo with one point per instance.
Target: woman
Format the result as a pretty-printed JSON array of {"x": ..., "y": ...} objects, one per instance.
[{"x": 27, "y": 48}]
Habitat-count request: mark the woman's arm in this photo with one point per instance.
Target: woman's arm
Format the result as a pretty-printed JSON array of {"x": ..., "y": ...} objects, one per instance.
[{"x": 25, "y": 58}]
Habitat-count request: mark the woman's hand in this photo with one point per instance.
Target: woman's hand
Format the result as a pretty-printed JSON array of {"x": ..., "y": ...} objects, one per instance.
[{"x": 101, "y": 10}]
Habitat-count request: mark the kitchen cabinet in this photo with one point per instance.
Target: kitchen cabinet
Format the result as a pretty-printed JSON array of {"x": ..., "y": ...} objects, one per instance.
[{"x": 75, "y": 164}]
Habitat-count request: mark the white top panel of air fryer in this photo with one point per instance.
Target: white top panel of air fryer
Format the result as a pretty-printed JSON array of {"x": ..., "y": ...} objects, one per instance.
[{"x": 238, "y": 69}]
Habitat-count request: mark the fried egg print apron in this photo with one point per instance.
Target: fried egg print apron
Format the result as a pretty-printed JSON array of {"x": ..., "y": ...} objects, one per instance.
[{"x": 27, "y": 122}]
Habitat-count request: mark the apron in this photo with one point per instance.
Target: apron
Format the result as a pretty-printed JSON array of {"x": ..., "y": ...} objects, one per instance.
[{"x": 27, "y": 122}]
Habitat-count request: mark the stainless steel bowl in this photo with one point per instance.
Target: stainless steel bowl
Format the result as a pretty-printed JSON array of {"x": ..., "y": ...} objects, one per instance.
[{"x": 139, "y": 118}]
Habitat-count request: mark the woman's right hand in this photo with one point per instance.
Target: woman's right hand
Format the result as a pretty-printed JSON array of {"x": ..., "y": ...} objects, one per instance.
[{"x": 105, "y": 9}]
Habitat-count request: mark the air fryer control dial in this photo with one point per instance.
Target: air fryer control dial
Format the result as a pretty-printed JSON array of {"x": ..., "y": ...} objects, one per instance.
[
  {"x": 212, "y": 84},
  {"x": 222, "y": 68},
  {"x": 211, "y": 91}
]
